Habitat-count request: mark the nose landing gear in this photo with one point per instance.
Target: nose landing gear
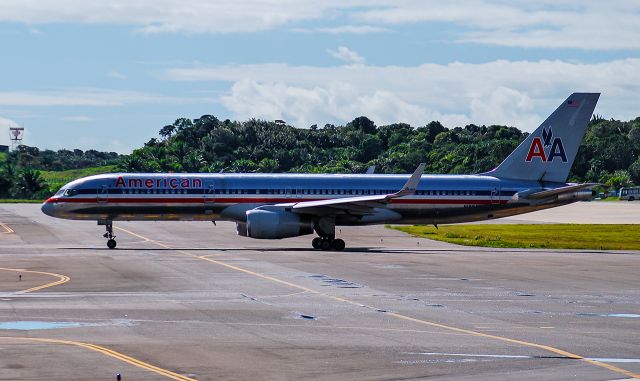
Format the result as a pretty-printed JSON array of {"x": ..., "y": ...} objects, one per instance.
[{"x": 111, "y": 242}]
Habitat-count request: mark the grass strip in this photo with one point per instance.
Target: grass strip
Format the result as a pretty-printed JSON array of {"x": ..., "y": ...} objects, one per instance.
[
  {"x": 544, "y": 236},
  {"x": 56, "y": 179}
]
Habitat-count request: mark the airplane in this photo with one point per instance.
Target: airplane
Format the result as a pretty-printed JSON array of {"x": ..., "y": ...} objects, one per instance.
[{"x": 276, "y": 206}]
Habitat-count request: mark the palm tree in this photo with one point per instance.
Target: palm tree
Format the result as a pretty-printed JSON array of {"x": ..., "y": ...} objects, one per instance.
[
  {"x": 7, "y": 175},
  {"x": 30, "y": 184}
]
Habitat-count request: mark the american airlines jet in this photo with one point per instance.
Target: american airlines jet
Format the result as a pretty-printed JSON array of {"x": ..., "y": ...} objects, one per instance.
[{"x": 274, "y": 206}]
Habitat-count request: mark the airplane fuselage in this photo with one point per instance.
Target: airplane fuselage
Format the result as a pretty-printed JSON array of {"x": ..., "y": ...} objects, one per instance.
[{"x": 209, "y": 197}]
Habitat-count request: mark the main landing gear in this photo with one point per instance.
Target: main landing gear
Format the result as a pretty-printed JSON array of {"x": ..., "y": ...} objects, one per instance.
[
  {"x": 111, "y": 242},
  {"x": 326, "y": 229},
  {"x": 327, "y": 243}
]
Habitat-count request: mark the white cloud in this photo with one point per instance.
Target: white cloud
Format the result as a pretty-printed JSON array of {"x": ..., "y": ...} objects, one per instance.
[
  {"x": 344, "y": 29},
  {"x": 334, "y": 102},
  {"x": 511, "y": 107},
  {"x": 347, "y": 55},
  {"x": 518, "y": 93},
  {"x": 577, "y": 24},
  {"x": 159, "y": 16},
  {"x": 582, "y": 24},
  {"x": 88, "y": 97}
]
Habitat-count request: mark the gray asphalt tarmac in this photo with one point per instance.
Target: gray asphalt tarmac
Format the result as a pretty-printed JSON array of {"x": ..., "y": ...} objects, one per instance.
[{"x": 189, "y": 300}]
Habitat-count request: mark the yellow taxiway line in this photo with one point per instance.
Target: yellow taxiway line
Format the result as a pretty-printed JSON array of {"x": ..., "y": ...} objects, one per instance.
[
  {"x": 61, "y": 279},
  {"x": 395, "y": 314},
  {"x": 7, "y": 229},
  {"x": 107, "y": 352}
]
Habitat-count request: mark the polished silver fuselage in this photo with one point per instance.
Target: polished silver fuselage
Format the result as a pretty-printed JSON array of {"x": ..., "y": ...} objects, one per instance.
[{"x": 210, "y": 197}]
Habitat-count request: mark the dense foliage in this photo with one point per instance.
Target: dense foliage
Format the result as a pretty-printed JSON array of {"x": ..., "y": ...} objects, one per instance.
[
  {"x": 20, "y": 170},
  {"x": 609, "y": 153}
]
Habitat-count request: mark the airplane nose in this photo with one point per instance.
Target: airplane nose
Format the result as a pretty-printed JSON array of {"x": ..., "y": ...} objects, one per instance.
[{"x": 47, "y": 208}]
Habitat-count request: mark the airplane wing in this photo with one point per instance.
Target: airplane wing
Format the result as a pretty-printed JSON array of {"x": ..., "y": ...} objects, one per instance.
[
  {"x": 360, "y": 205},
  {"x": 558, "y": 191}
]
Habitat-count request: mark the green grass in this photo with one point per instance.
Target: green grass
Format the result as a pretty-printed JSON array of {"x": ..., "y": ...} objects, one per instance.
[
  {"x": 72, "y": 174},
  {"x": 57, "y": 179},
  {"x": 547, "y": 236},
  {"x": 611, "y": 198}
]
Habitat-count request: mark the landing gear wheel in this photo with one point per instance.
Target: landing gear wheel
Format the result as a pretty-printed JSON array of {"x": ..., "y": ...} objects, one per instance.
[
  {"x": 338, "y": 244},
  {"x": 316, "y": 242},
  {"x": 111, "y": 242},
  {"x": 325, "y": 244}
]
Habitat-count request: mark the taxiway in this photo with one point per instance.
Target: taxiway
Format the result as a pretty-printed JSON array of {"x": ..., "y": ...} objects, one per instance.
[{"x": 193, "y": 301}]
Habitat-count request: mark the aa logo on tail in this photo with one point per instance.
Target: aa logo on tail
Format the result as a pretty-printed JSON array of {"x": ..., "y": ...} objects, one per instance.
[{"x": 546, "y": 148}]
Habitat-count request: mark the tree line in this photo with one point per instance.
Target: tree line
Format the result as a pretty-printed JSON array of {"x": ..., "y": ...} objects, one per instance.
[
  {"x": 20, "y": 170},
  {"x": 609, "y": 153}
]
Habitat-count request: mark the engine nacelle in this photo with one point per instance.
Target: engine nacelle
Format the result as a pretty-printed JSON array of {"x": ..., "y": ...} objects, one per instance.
[
  {"x": 241, "y": 229},
  {"x": 275, "y": 223}
]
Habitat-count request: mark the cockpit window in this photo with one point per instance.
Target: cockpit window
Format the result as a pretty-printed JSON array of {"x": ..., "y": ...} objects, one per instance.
[
  {"x": 59, "y": 192},
  {"x": 70, "y": 192}
]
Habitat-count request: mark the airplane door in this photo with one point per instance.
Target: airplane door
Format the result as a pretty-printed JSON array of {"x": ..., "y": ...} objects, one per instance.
[
  {"x": 103, "y": 194},
  {"x": 209, "y": 198},
  {"x": 495, "y": 194}
]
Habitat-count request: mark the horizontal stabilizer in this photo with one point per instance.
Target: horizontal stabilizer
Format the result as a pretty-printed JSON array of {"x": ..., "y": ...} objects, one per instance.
[{"x": 559, "y": 191}]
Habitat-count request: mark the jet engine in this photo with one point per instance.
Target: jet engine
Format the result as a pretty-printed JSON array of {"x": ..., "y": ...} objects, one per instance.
[
  {"x": 274, "y": 222},
  {"x": 241, "y": 229}
]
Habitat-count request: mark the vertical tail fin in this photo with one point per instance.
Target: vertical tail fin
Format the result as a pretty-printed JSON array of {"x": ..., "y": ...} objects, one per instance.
[{"x": 548, "y": 153}]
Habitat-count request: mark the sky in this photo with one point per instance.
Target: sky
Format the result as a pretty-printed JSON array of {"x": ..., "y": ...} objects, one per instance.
[{"x": 107, "y": 75}]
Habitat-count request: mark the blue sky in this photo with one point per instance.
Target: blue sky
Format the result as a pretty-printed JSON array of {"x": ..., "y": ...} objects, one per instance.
[{"x": 102, "y": 75}]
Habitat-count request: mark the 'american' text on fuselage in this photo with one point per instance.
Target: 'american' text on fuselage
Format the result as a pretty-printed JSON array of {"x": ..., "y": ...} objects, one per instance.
[{"x": 166, "y": 182}]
